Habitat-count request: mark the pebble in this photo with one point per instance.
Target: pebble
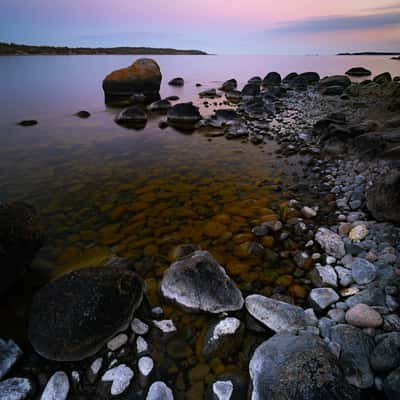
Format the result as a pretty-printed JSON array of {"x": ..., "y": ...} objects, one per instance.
[
  {"x": 363, "y": 271},
  {"x": 10, "y": 353},
  {"x": 141, "y": 345},
  {"x": 159, "y": 391},
  {"x": 324, "y": 277},
  {"x": 120, "y": 377},
  {"x": 222, "y": 390},
  {"x": 117, "y": 342},
  {"x": 139, "y": 327},
  {"x": 358, "y": 233},
  {"x": 145, "y": 365},
  {"x": 308, "y": 212},
  {"x": 57, "y": 387},
  {"x": 330, "y": 242},
  {"x": 165, "y": 326},
  {"x": 363, "y": 316}
]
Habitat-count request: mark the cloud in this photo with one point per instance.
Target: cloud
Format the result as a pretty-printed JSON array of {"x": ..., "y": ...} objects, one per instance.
[
  {"x": 394, "y": 6},
  {"x": 338, "y": 23}
]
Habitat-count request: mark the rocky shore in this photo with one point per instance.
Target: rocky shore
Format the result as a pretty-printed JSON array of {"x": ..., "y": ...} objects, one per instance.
[{"x": 329, "y": 329}]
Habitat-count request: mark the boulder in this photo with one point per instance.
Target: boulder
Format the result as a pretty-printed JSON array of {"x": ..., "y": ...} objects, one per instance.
[
  {"x": 209, "y": 93},
  {"x": 381, "y": 79},
  {"x": 272, "y": 79},
  {"x": 358, "y": 71},
  {"x": 300, "y": 367},
  {"x": 229, "y": 85},
  {"x": 21, "y": 236},
  {"x": 143, "y": 77},
  {"x": 10, "y": 353},
  {"x": 16, "y": 389},
  {"x": 331, "y": 242},
  {"x": 176, "y": 82},
  {"x": 74, "y": 316},
  {"x": 233, "y": 95},
  {"x": 321, "y": 298},
  {"x": 386, "y": 355},
  {"x": 251, "y": 90},
  {"x": 391, "y": 385},
  {"x": 363, "y": 271},
  {"x": 363, "y": 316},
  {"x": 277, "y": 315},
  {"x": 160, "y": 106},
  {"x": 334, "y": 90},
  {"x": 120, "y": 378},
  {"x": 356, "y": 348},
  {"x": 383, "y": 198},
  {"x": 198, "y": 283},
  {"x": 132, "y": 117},
  {"x": 298, "y": 83},
  {"x": 289, "y": 77},
  {"x": 335, "y": 80},
  {"x": 324, "y": 276},
  {"x": 184, "y": 115},
  {"x": 311, "y": 78}
]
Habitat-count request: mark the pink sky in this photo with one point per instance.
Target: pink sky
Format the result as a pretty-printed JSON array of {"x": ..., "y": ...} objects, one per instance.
[{"x": 268, "y": 26}]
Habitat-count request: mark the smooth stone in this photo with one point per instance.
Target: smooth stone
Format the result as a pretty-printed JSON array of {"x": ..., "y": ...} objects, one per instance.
[
  {"x": 358, "y": 233},
  {"x": 199, "y": 283},
  {"x": 105, "y": 300},
  {"x": 159, "y": 391},
  {"x": 16, "y": 389},
  {"x": 321, "y": 298},
  {"x": 337, "y": 315},
  {"x": 95, "y": 368},
  {"x": 358, "y": 71},
  {"x": 324, "y": 277},
  {"x": 117, "y": 342},
  {"x": 139, "y": 327},
  {"x": 141, "y": 345},
  {"x": 335, "y": 80},
  {"x": 386, "y": 355},
  {"x": 165, "y": 326},
  {"x": 120, "y": 377},
  {"x": 160, "y": 105},
  {"x": 176, "y": 82},
  {"x": 277, "y": 315},
  {"x": 391, "y": 385},
  {"x": 308, "y": 212},
  {"x": 356, "y": 348},
  {"x": 330, "y": 242},
  {"x": 183, "y": 115},
  {"x": 229, "y": 85},
  {"x": 222, "y": 390},
  {"x": 372, "y": 296},
  {"x": 363, "y": 316},
  {"x": 145, "y": 365},
  {"x": 10, "y": 353},
  {"x": 363, "y": 271},
  {"x": 57, "y": 387},
  {"x": 345, "y": 276},
  {"x": 289, "y": 366},
  {"x": 28, "y": 122},
  {"x": 131, "y": 116}
]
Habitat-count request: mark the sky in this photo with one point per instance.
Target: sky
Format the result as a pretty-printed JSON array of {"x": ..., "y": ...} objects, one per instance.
[{"x": 216, "y": 26}]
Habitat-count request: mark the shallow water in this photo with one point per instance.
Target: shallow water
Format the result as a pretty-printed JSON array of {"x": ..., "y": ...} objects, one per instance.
[{"x": 103, "y": 189}]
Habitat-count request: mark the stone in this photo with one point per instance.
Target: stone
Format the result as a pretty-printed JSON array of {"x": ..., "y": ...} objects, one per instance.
[
  {"x": 272, "y": 79},
  {"x": 372, "y": 296},
  {"x": 209, "y": 93},
  {"x": 330, "y": 242},
  {"x": 141, "y": 345},
  {"x": 337, "y": 315},
  {"x": 16, "y": 389},
  {"x": 10, "y": 353},
  {"x": 250, "y": 90},
  {"x": 83, "y": 114},
  {"x": 324, "y": 277},
  {"x": 363, "y": 271},
  {"x": 363, "y": 316},
  {"x": 117, "y": 342},
  {"x": 143, "y": 77},
  {"x": 325, "y": 325},
  {"x": 391, "y": 385},
  {"x": 132, "y": 116},
  {"x": 383, "y": 198},
  {"x": 145, "y": 365},
  {"x": 345, "y": 276},
  {"x": 334, "y": 90},
  {"x": 386, "y": 355},
  {"x": 159, "y": 391},
  {"x": 311, "y": 78},
  {"x": 335, "y": 80},
  {"x": 57, "y": 387},
  {"x": 183, "y": 115},
  {"x": 308, "y": 212},
  {"x": 104, "y": 301},
  {"x": 160, "y": 106},
  {"x": 358, "y": 233},
  {"x": 321, "y": 298},
  {"x": 277, "y": 315},
  {"x": 139, "y": 327},
  {"x": 288, "y": 366},
  {"x": 28, "y": 122},
  {"x": 176, "y": 82},
  {"x": 94, "y": 369},
  {"x": 199, "y": 283},
  {"x": 383, "y": 78},
  {"x": 120, "y": 377},
  {"x": 165, "y": 326},
  {"x": 222, "y": 390},
  {"x": 358, "y": 71},
  {"x": 229, "y": 85},
  {"x": 21, "y": 236},
  {"x": 356, "y": 348}
]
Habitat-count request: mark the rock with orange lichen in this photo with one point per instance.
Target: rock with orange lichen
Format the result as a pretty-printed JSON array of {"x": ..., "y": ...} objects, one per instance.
[{"x": 142, "y": 78}]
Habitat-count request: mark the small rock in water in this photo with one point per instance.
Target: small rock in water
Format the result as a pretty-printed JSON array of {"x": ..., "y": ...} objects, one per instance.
[
  {"x": 95, "y": 369},
  {"x": 83, "y": 114},
  {"x": 363, "y": 271},
  {"x": 10, "y": 353},
  {"x": 363, "y": 316},
  {"x": 358, "y": 233},
  {"x": 16, "y": 389},
  {"x": 322, "y": 298},
  {"x": 57, "y": 387},
  {"x": 222, "y": 390},
  {"x": 145, "y": 365},
  {"x": 120, "y": 377},
  {"x": 117, "y": 342},
  {"x": 165, "y": 326},
  {"x": 159, "y": 391},
  {"x": 141, "y": 345},
  {"x": 139, "y": 327},
  {"x": 28, "y": 122}
]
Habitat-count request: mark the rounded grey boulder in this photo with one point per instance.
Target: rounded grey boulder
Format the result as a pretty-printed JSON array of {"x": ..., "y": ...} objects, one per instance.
[
  {"x": 184, "y": 115},
  {"x": 358, "y": 71},
  {"x": 74, "y": 316}
]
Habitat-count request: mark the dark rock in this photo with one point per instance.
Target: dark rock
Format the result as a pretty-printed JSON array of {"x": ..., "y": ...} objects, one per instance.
[
  {"x": 132, "y": 117},
  {"x": 332, "y": 90},
  {"x": 229, "y": 85},
  {"x": 391, "y": 385},
  {"x": 358, "y": 71},
  {"x": 74, "y": 316},
  {"x": 10, "y": 353},
  {"x": 142, "y": 77},
  {"x": 381, "y": 79},
  {"x": 184, "y": 115},
  {"x": 172, "y": 98},
  {"x": 255, "y": 80},
  {"x": 209, "y": 93},
  {"x": 383, "y": 198},
  {"x": 176, "y": 82},
  {"x": 272, "y": 79},
  {"x": 288, "y": 78},
  {"x": 83, "y": 114},
  {"x": 28, "y": 122},
  {"x": 160, "y": 106},
  {"x": 335, "y": 80},
  {"x": 21, "y": 236},
  {"x": 298, "y": 83},
  {"x": 370, "y": 144},
  {"x": 310, "y": 77},
  {"x": 233, "y": 96},
  {"x": 386, "y": 355},
  {"x": 251, "y": 90},
  {"x": 297, "y": 367}
]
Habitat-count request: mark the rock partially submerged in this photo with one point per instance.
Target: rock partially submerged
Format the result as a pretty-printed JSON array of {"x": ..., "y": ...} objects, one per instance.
[
  {"x": 74, "y": 316},
  {"x": 358, "y": 71},
  {"x": 184, "y": 115},
  {"x": 133, "y": 117},
  {"x": 198, "y": 283},
  {"x": 297, "y": 367},
  {"x": 57, "y": 387},
  {"x": 159, "y": 391},
  {"x": 10, "y": 353},
  {"x": 176, "y": 82}
]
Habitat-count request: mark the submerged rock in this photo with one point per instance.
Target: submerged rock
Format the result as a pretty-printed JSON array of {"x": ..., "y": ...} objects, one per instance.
[
  {"x": 297, "y": 367},
  {"x": 198, "y": 283},
  {"x": 159, "y": 391},
  {"x": 76, "y": 315},
  {"x": 132, "y": 117},
  {"x": 358, "y": 71},
  {"x": 184, "y": 115},
  {"x": 161, "y": 105},
  {"x": 83, "y": 114},
  {"x": 10, "y": 353},
  {"x": 16, "y": 389},
  {"x": 28, "y": 122},
  {"x": 176, "y": 82},
  {"x": 57, "y": 387},
  {"x": 120, "y": 377}
]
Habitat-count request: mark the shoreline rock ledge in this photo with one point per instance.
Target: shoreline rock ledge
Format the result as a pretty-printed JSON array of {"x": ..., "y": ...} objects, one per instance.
[{"x": 141, "y": 79}]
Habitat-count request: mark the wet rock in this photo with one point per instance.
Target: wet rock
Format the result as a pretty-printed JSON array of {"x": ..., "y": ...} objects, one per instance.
[
  {"x": 176, "y": 82},
  {"x": 277, "y": 315},
  {"x": 159, "y": 391},
  {"x": 333, "y": 90},
  {"x": 272, "y": 79},
  {"x": 21, "y": 236},
  {"x": 391, "y": 385},
  {"x": 311, "y": 78},
  {"x": 199, "y": 283},
  {"x": 250, "y": 90},
  {"x": 363, "y": 271},
  {"x": 117, "y": 342},
  {"x": 233, "y": 96},
  {"x": 229, "y": 85},
  {"x": 358, "y": 71},
  {"x": 143, "y": 77},
  {"x": 95, "y": 304},
  {"x": 139, "y": 327},
  {"x": 298, "y": 83},
  {"x": 16, "y": 389},
  {"x": 383, "y": 198},
  {"x": 297, "y": 367},
  {"x": 28, "y": 122},
  {"x": 57, "y": 387},
  {"x": 184, "y": 115},
  {"x": 83, "y": 114},
  {"x": 94, "y": 369},
  {"x": 330, "y": 242},
  {"x": 382, "y": 79},
  {"x": 141, "y": 345},
  {"x": 132, "y": 116},
  {"x": 358, "y": 233},
  {"x": 386, "y": 355},
  {"x": 165, "y": 326},
  {"x": 322, "y": 298},
  {"x": 335, "y": 80},
  {"x": 10, "y": 353},
  {"x": 363, "y": 316},
  {"x": 209, "y": 93},
  {"x": 289, "y": 77},
  {"x": 356, "y": 348},
  {"x": 160, "y": 106},
  {"x": 120, "y": 377},
  {"x": 222, "y": 390},
  {"x": 145, "y": 366},
  {"x": 324, "y": 277}
]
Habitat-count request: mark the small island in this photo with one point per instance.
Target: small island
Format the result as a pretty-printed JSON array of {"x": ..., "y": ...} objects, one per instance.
[
  {"x": 370, "y": 53},
  {"x": 9, "y": 49}
]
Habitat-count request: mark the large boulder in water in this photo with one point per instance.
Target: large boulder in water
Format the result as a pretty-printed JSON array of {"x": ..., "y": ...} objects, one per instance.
[
  {"x": 310, "y": 77},
  {"x": 358, "y": 71},
  {"x": 335, "y": 80},
  {"x": 301, "y": 367},
  {"x": 198, "y": 283},
  {"x": 143, "y": 77},
  {"x": 74, "y": 316},
  {"x": 383, "y": 198},
  {"x": 21, "y": 236}
]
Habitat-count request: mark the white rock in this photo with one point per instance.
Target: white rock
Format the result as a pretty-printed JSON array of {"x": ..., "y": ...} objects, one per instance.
[
  {"x": 165, "y": 326},
  {"x": 330, "y": 260},
  {"x": 10, "y": 353},
  {"x": 57, "y": 387},
  {"x": 223, "y": 390},
  {"x": 141, "y": 345},
  {"x": 159, "y": 391},
  {"x": 16, "y": 389},
  {"x": 139, "y": 327},
  {"x": 227, "y": 326},
  {"x": 75, "y": 376},
  {"x": 330, "y": 242},
  {"x": 145, "y": 365},
  {"x": 96, "y": 366},
  {"x": 117, "y": 342},
  {"x": 358, "y": 233},
  {"x": 308, "y": 212},
  {"x": 120, "y": 377},
  {"x": 324, "y": 277}
]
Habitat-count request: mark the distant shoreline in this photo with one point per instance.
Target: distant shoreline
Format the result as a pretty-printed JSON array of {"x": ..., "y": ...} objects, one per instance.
[
  {"x": 12, "y": 49},
  {"x": 370, "y": 53}
]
